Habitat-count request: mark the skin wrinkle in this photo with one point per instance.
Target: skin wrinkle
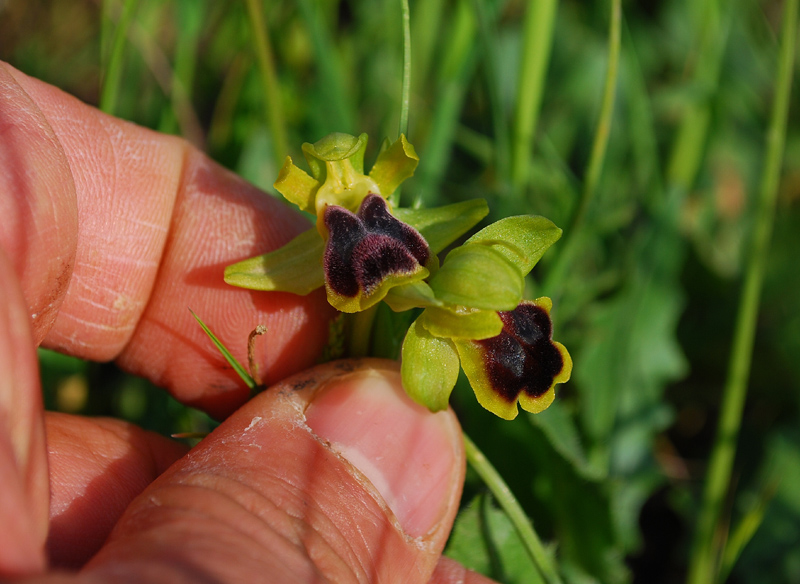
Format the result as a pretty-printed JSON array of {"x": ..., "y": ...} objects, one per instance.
[
  {"x": 42, "y": 217},
  {"x": 228, "y": 512},
  {"x": 138, "y": 269},
  {"x": 193, "y": 562}
]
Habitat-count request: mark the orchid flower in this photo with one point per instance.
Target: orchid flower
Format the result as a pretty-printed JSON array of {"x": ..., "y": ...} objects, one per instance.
[{"x": 364, "y": 251}]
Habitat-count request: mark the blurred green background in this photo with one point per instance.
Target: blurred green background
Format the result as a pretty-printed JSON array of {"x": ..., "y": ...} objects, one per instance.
[{"x": 504, "y": 104}]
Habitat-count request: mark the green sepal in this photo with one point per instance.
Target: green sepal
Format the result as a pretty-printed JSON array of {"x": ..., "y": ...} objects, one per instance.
[
  {"x": 335, "y": 147},
  {"x": 412, "y": 295},
  {"x": 296, "y": 267},
  {"x": 296, "y": 185},
  {"x": 522, "y": 240},
  {"x": 478, "y": 276},
  {"x": 429, "y": 368},
  {"x": 394, "y": 165},
  {"x": 465, "y": 323},
  {"x": 441, "y": 226}
]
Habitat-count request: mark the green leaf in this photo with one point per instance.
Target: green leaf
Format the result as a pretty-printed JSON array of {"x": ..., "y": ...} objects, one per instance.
[
  {"x": 485, "y": 541},
  {"x": 558, "y": 425},
  {"x": 462, "y": 323},
  {"x": 249, "y": 381},
  {"x": 441, "y": 226},
  {"x": 412, "y": 295},
  {"x": 429, "y": 368},
  {"x": 478, "y": 276},
  {"x": 394, "y": 165},
  {"x": 522, "y": 240},
  {"x": 296, "y": 267}
]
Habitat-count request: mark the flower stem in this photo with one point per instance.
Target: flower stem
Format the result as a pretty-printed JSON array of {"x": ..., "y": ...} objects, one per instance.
[
  {"x": 405, "y": 94},
  {"x": 704, "y": 564},
  {"x": 511, "y": 506},
  {"x": 359, "y": 334},
  {"x": 269, "y": 81}
]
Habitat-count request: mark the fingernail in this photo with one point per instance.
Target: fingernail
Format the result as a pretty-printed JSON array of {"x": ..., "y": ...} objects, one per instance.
[{"x": 411, "y": 456}]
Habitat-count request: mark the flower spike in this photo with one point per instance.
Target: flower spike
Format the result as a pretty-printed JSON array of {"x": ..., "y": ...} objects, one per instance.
[{"x": 364, "y": 251}]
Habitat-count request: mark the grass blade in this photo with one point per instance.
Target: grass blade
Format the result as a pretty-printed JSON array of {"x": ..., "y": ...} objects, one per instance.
[
  {"x": 273, "y": 112},
  {"x": 113, "y": 73},
  {"x": 704, "y": 564},
  {"x": 540, "y": 20},
  {"x": 249, "y": 381}
]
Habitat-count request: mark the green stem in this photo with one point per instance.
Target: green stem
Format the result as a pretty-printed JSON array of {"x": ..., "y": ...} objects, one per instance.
[
  {"x": 360, "y": 332},
  {"x": 405, "y": 95},
  {"x": 269, "y": 81},
  {"x": 113, "y": 73},
  {"x": 512, "y": 508},
  {"x": 704, "y": 564},
  {"x": 537, "y": 41}
]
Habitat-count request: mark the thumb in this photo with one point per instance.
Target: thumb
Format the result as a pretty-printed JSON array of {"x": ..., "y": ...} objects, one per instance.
[{"x": 332, "y": 475}]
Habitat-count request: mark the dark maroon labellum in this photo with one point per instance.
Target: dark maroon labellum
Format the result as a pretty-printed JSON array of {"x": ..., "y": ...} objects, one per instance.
[
  {"x": 522, "y": 358},
  {"x": 366, "y": 247}
]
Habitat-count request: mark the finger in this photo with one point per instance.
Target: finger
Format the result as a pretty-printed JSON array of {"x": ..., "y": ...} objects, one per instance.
[
  {"x": 97, "y": 467},
  {"x": 333, "y": 475},
  {"x": 141, "y": 226},
  {"x": 451, "y": 572},
  {"x": 23, "y": 466}
]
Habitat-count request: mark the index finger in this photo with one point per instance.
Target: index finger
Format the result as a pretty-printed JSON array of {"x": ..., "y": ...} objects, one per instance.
[{"x": 116, "y": 231}]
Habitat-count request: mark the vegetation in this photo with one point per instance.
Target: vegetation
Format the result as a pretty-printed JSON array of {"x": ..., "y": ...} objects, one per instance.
[{"x": 657, "y": 134}]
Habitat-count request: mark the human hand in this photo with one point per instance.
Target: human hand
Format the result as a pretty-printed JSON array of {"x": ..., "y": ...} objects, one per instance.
[{"x": 109, "y": 233}]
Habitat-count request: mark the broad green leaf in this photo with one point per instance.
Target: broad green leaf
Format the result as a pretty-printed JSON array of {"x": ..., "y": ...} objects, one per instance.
[
  {"x": 522, "y": 240},
  {"x": 441, "y": 226},
  {"x": 412, "y": 295},
  {"x": 478, "y": 276},
  {"x": 461, "y": 323},
  {"x": 296, "y": 185},
  {"x": 296, "y": 267},
  {"x": 429, "y": 368},
  {"x": 485, "y": 541},
  {"x": 394, "y": 165}
]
